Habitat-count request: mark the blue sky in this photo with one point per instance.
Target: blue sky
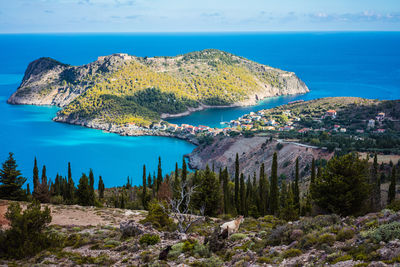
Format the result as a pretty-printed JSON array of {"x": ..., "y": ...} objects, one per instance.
[{"x": 195, "y": 16}]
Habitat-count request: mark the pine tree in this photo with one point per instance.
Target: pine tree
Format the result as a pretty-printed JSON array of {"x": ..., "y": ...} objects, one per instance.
[
  {"x": 91, "y": 188},
  {"x": 209, "y": 193},
  {"x": 11, "y": 180},
  {"x": 237, "y": 205},
  {"x": 242, "y": 191},
  {"x": 296, "y": 190},
  {"x": 274, "y": 186},
  {"x": 392, "y": 187},
  {"x": 262, "y": 191},
  {"x": 101, "y": 188},
  {"x": 83, "y": 192},
  {"x": 144, "y": 192},
  {"x": 159, "y": 174},
  {"x": 35, "y": 178},
  {"x": 176, "y": 185}
]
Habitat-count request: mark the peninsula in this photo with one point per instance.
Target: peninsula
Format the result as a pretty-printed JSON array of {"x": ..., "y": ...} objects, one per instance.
[{"x": 131, "y": 95}]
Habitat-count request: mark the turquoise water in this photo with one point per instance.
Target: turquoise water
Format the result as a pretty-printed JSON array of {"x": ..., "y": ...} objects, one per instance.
[{"x": 331, "y": 64}]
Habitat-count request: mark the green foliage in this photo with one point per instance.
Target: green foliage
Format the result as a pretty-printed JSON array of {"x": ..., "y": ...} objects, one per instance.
[
  {"x": 149, "y": 239},
  {"x": 140, "y": 90},
  {"x": 11, "y": 180},
  {"x": 83, "y": 192},
  {"x": 157, "y": 216},
  {"x": 237, "y": 236},
  {"x": 342, "y": 187},
  {"x": 327, "y": 238},
  {"x": 26, "y": 236},
  {"x": 290, "y": 253},
  {"x": 209, "y": 193},
  {"x": 394, "y": 205},
  {"x": 385, "y": 232},
  {"x": 344, "y": 234}
]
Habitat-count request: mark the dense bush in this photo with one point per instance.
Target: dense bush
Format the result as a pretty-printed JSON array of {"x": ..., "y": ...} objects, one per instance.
[
  {"x": 395, "y": 205},
  {"x": 149, "y": 239},
  {"x": 157, "y": 217},
  {"x": 384, "y": 232},
  {"x": 26, "y": 236}
]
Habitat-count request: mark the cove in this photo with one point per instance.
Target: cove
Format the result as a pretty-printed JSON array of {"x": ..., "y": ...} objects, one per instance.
[{"x": 363, "y": 64}]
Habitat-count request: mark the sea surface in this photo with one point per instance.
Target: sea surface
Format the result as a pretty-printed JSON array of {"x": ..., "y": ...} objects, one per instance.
[{"x": 364, "y": 64}]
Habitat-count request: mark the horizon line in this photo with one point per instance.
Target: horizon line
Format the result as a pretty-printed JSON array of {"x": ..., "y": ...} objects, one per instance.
[{"x": 209, "y": 32}]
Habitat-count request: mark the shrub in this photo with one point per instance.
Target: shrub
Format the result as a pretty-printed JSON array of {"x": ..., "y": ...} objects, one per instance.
[
  {"x": 384, "y": 232},
  {"x": 328, "y": 239},
  {"x": 188, "y": 245},
  {"x": 308, "y": 241},
  {"x": 26, "y": 237},
  {"x": 201, "y": 251},
  {"x": 175, "y": 251},
  {"x": 149, "y": 239},
  {"x": 290, "y": 253},
  {"x": 238, "y": 236},
  {"x": 213, "y": 262},
  {"x": 395, "y": 205},
  {"x": 344, "y": 234},
  {"x": 342, "y": 258},
  {"x": 157, "y": 217}
]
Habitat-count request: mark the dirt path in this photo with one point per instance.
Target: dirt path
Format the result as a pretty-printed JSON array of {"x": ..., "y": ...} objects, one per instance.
[{"x": 81, "y": 216}]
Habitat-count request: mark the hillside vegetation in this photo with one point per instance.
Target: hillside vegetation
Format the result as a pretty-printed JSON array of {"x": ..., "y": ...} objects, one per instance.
[{"x": 122, "y": 88}]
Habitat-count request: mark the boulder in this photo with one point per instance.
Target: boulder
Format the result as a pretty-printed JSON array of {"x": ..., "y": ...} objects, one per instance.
[{"x": 132, "y": 228}]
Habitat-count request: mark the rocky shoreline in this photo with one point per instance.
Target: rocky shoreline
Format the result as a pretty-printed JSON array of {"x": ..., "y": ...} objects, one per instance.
[{"x": 127, "y": 131}]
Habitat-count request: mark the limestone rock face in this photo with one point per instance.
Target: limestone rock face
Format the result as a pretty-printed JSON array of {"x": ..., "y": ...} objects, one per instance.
[
  {"x": 132, "y": 228},
  {"x": 49, "y": 82}
]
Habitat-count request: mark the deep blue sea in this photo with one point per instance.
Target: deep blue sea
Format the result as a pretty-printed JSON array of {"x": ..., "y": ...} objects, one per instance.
[{"x": 363, "y": 64}]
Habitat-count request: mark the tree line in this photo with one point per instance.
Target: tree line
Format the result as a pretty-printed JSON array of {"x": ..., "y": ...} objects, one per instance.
[{"x": 346, "y": 185}]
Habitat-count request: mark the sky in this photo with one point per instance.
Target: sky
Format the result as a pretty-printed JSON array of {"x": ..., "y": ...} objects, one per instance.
[{"x": 42, "y": 16}]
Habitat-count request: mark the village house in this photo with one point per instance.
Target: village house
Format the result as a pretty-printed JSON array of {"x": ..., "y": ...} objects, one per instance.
[
  {"x": 331, "y": 113},
  {"x": 343, "y": 130},
  {"x": 380, "y": 116},
  {"x": 359, "y": 131},
  {"x": 304, "y": 130},
  {"x": 380, "y": 130},
  {"x": 172, "y": 127}
]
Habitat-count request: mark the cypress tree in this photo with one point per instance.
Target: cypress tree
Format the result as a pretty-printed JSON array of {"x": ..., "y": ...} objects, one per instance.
[
  {"x": 43, "y": 194},
  {"x": 249, "y": 197},
  {"x": 226, "y": 191},
  {"x": 296, "y": 190},
  {"x": 28, "y": 190},
  {"x": 262, "y": 190},
  {"x": 83, "y": 192},
  {"x": 312, "y": 171},
  {"x": 237, "y": 206},
  {"x": 91, "y": 188},
  {"x": 144, "y": 193},
  {"x": 289, "y": 212},
  {"x": 101, "y": 187},
  {"x": 159, "y": 174},
  {"x": 242, "y": 194},
  {"x": 35, "y": 177},
  {"x": 70, "y": 186},
  {"x": 392, "y": 187},
  {"x": 184, "y": 171},
  {"x": 149, "y": 183},
  {"x": 274, "y": 186},
  {"x": 57, "y": 186}
]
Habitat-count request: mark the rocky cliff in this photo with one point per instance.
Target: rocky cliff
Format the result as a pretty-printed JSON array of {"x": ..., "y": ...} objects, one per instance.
[{"x": 252, "y": 152}]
